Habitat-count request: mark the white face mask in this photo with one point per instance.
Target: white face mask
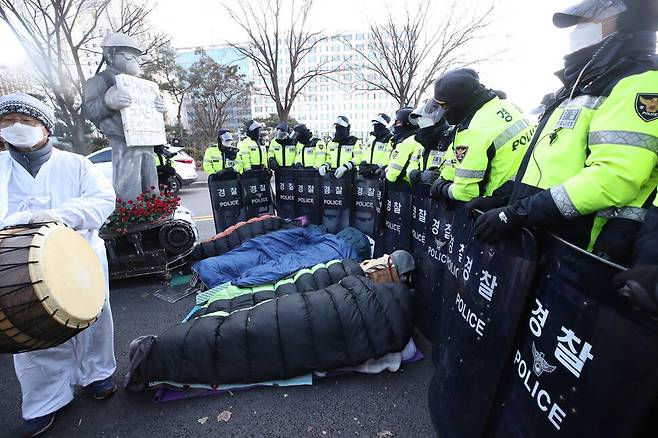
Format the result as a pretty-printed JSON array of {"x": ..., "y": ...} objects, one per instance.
[{"x": 22, "y": 136}]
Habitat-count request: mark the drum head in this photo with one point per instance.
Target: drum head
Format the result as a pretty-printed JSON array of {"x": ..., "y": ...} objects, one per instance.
[{"x": 72, "y": 283}]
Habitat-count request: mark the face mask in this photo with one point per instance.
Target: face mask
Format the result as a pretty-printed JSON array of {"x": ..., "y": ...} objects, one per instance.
[
  {"x": 133, "y": 68},
  {"x": 22, "y": 136},
  {"x": 585, "y": 35},
  {"x": 342, "y": 132}
]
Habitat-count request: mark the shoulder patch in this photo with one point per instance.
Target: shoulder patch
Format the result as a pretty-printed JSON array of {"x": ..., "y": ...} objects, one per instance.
[
  {"x": 460, "y": 153},
  {"x": 646, "y": 106}
]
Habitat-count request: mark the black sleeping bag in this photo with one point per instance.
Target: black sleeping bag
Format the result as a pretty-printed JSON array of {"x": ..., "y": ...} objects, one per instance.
[
  {"x": 234, "y": 237},
  {"x": 308, "y": 280},
  {"x": 342, "y": 325}
]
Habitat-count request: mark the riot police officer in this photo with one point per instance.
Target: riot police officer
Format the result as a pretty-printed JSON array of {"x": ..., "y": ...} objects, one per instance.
[
  {"x": 252, "y": 153},
  {"x": 282, "y": 151},
  {"x": 339, "y": 153},
  {"x": 309, "y": 147},
  {"x": 434, "y": 134},
  {"x": 591, "y": 167},
  {"x": 222, "y": 156},
  {"x": 406, "y": 150},
  {"x": 376, "y": 153},
  {"x": 490, "y": 137}
]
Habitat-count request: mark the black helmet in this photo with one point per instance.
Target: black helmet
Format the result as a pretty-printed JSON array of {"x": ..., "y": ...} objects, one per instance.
[
  {"x": 457, "y": 86},
  {"x": 342, "y": 121},
  {"x": 382, "y": 119},
  {"x": 252, "y": 125},
  {"x": 282, "y": 126},
  {"x": 301, "y": 133},
  {"x": 224, "y": 138}
]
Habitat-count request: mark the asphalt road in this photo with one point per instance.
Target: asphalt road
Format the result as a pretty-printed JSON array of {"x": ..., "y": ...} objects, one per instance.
[{"x": 378, "y": 406}]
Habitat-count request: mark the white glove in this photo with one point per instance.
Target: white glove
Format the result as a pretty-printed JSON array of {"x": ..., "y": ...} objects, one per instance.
[
  {"x": 159, "y": 104},
  {"x": 322, "y": 170},
  {"x": 116, "y": 99},
  {"x": 340, "y": 172},
  {"x": 41, "y": 216}
]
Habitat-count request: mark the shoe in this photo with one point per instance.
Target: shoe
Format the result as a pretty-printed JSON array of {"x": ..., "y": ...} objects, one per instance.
[
  {"x": 37, "y": 426},
  {"x": 103, "y": 389}
]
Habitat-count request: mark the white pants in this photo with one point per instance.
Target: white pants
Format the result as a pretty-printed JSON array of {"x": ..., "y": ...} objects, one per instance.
[{"x": 48, "y": 377}]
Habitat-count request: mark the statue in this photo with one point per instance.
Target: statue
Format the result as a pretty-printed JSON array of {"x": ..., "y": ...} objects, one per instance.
[{"x": 108, "y": 98}]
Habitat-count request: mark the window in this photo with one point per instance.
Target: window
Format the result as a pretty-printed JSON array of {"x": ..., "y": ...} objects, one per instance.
[
  {"x": 360, "y": 36},
  {"x": 102, "y": 157}
]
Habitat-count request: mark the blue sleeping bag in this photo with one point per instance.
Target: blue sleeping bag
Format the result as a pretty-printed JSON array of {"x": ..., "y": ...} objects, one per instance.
[{"x": 273, "y": 256}]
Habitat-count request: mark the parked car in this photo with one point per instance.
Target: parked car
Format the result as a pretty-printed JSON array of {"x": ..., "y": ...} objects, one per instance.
[{"x": 183, "y": 163}]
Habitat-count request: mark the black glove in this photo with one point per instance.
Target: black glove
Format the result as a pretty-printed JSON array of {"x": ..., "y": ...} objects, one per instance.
[
  {"x": 414, "y": 176},
  {"x": 274, "y": 165},
  {"x": 297, "y": 166},
  {"x": 484, "y": 204},
  {"x": 494, "y": 224},
  {"x": 640, "y": 286},
  {"x": 440, "y": 189},
  {"x": 429, "y": 177}
]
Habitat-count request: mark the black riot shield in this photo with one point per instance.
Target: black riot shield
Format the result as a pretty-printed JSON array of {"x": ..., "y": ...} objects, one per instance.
[
  {"x": 584, "y": 362},
  {"x": 396, "y": 220},
  {"x": 336, "y": 201},
  {"x": 226, "y": 199},
  {"x": 363, "y": 215},
  {"x": 483, "y": 295},
  {"x": 308, "y": 199},
  {"x": 285, "y": 192},
  {"x": 256, "y": 193}
]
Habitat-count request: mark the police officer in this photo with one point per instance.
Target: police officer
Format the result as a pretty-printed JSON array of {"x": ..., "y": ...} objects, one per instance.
[
  {"x": 339, "y": 153},
  {"x": 591, "y": 167},
  {"x": 490, "y": 138},
  {"x": 223, "y": 156},
  {"x": 283, "y": 150},
  {"x": 377, "y": 152},
  {"x": 406, "y": 150},
  {"x": 434, "y": 135},
  {"x": 309, "y": 147},
  {"x": 252, "y": 154}
]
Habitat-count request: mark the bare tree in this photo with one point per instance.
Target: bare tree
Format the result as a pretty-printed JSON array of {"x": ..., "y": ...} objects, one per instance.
[
  {"x": 406, "y": 53},
  {"x": 215, "y": 92},
  {"x": 277, "y": 54},
  {"x": 56, "y": 34}
]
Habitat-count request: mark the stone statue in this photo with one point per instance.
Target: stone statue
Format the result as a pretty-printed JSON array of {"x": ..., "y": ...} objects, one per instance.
[{"x": 133, "y": 167}]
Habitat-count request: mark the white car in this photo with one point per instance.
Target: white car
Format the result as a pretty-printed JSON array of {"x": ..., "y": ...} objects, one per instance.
[{"x": 183, "y": 163}]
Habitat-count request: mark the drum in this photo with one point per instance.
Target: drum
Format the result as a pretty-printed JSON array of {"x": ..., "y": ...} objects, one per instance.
[{"x": 52, "y": 286}]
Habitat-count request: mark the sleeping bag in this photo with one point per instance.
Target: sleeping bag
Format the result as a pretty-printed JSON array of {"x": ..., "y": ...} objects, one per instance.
[
  {"x": 234, "y": 236},
  {"x": 273, "y": 256},
  {"x": 342, "y": 325}
]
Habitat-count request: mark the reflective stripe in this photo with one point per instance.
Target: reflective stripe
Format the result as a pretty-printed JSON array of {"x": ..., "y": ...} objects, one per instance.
[
  {"x": 633, "y": 213},
  {"x": 626, "y": 138},
  {"x": 589, "y": 102},
  {"x": 464, "y": 173},
  {"x": 396, "y": 166},
  {"x": 510, "y": 133},
  {"x": 563, "y": 202}
]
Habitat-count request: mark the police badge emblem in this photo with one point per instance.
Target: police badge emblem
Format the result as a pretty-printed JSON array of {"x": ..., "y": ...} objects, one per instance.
[
  {"x": 460, "y": 153},
  {"x": 646, "y": 106}
]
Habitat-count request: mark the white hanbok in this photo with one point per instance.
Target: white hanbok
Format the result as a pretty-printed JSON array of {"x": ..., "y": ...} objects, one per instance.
[{"x": 69, "y": 186}]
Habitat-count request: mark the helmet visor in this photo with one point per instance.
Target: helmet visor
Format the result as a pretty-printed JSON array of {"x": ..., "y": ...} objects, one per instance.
[
  {"x": 226, "y": 139},
  {"x": 588, "y": 10}
]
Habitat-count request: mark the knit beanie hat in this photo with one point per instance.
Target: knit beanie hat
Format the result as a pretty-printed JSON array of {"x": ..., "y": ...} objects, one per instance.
[{"x": 25, "y": 104}]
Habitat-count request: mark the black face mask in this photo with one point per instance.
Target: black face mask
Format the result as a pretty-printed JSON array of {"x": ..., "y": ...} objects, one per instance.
[
  {"x": 342, "y": 132},
  {"x": 459, "y": 111},
  {"x": 254, "y": 135},
  {"x": 304, "y": 137},
  {"x": 230, "y": 153},
  {"x": 380, "y": 131}
]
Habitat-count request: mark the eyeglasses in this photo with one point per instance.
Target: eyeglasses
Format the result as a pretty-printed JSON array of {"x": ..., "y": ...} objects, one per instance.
[{"x": 6, "y": 122}]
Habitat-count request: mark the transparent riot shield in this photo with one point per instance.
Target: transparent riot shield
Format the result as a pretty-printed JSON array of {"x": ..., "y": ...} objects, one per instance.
[{"x": 226, "y": 199}]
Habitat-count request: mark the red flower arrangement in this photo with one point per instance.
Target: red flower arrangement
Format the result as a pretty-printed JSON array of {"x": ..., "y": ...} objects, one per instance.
[{"x": 149, "y": 207}]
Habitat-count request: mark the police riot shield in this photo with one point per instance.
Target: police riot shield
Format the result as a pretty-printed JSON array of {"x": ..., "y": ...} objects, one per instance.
[
  {"x": 584, "y": 362},
  {"x": 256, "y": 193},
  {"x": 226, "y": 199},
  {"x": 336, "y": 201},
  {"x": 285, "y": 192},
  {"x": 395, "y": 220},
  {"x": 483, "y": 292},
  {"x": 363, "y": 214},
  {"x": 308, "y": 200}
]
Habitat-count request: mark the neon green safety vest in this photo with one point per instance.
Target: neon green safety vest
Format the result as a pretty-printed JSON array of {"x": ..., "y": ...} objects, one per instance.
[
  {"x": 486, "y": 150},
  {"x": 284, "y": 154},
  {"x": 375, "y": 152},
  {"x": 598, "y": 154},
  {"x": 251, "y": 155},
  {"x": 214, "y": 161},
  {"x": 405, "y": 157},
  {"x": 336, "y": 154},
  {"x": 307, "y": 154}
]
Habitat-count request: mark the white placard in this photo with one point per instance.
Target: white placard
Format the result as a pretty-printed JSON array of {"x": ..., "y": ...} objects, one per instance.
[{"x": 143, "y": 125}]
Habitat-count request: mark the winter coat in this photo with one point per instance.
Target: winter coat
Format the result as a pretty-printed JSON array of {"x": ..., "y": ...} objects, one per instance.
[
  {"x": 271, "y": 257},
  {"x": 342, "y": 325},
  {"x": 234, "y": 236}
]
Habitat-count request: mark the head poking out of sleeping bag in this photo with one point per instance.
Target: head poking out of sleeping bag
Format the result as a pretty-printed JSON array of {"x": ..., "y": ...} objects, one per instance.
[{"x": 326, "y": 317}]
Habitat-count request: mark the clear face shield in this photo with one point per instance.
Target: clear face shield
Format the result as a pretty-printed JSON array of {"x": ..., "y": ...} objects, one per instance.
[
  {"x": 226, "y": 140},
  {"x": 280, "y": 134},
  {"x": 427, "y": 113},
  {"x": 589, "y": 11}
]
